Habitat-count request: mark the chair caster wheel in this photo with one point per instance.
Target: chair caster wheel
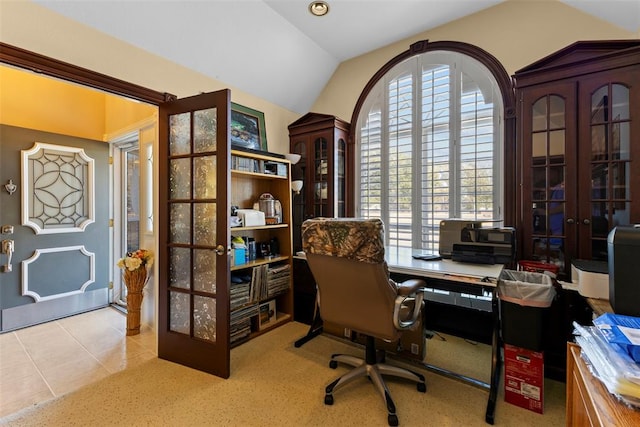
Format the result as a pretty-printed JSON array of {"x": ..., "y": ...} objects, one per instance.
[
  {"x": 328, "y": 399},
  {"x": 392, "y": 420},
  {"x": 333, "y": 364},
  {"x": 422, "y": 387}
]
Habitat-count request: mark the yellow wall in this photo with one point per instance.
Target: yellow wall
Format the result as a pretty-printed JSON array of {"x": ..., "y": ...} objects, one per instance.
[
  {"x": 120, "y": 113},
  {"x": 32, "y": 101},
  {"x": 516, "y": 32}
]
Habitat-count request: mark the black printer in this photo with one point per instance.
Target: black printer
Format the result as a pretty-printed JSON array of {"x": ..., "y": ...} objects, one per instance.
[{"x": 623, "y": 245}]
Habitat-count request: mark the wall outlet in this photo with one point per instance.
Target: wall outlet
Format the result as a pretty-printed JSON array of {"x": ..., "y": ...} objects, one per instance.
[{"x": 347, "y": 332}]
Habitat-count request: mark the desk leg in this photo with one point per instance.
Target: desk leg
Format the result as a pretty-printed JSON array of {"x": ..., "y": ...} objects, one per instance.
[
  {"x": 496, "y": 361},
  {"x": 314, "y": 330}
]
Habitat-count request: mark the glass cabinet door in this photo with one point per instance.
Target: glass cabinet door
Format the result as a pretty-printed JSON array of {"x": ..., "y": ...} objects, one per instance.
[
  {"x": 321, "y": 177},
  {"x": 548, "y": 178},
  {"x": 549, "y": 175},
  {"x": 341, "y": 180},
  {"x": 609, "y": 168}
]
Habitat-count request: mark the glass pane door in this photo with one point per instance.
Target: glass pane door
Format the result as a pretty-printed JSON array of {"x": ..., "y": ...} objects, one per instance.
[
  {"x": 610, "y": 165},
  {"x": 548, "y": 164},
  {"x": 131, "y": 205},
  {"x": 321, "y": 177},
  {"x": 194, "y": 204}
]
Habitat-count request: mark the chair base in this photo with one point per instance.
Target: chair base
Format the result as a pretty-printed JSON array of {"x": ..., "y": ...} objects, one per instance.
[{"x": 374, "y": 368}]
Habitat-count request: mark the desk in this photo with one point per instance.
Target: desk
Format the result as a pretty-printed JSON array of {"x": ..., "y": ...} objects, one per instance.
[
  {"x": 447, "y": 275},
  {"x": 599, "y": 306}
]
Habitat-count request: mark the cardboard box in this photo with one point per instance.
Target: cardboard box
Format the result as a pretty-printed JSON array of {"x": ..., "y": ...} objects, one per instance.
[
  {"x": 239, "y": 256},
  {"x": 524, "y": 378}
]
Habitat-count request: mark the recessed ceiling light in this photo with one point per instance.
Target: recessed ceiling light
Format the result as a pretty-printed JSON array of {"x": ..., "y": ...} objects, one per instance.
[{"x": 319, "y": 8}]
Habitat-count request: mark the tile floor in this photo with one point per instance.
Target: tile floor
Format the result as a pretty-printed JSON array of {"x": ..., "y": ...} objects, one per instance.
[{"x": 55, "y": 358}]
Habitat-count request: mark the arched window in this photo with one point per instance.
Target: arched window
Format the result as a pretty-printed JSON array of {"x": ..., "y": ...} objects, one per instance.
[{"x": 429, "y": 143}]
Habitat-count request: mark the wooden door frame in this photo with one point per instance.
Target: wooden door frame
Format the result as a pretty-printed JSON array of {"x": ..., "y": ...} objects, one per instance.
[
  {"x": 46, "y": 66},
  {"x": 41, "y": 64}
]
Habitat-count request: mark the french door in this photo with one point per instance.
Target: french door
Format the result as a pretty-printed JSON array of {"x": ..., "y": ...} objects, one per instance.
[
  {"x": 193, "y": 318},
  {"x": 195, "y": 335}
]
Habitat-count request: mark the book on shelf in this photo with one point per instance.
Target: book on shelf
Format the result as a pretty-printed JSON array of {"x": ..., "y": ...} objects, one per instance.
[
  {"x": 259, "y": 288},
  {"x": 239, "y": 294},
  {"x": 240, "y": 325},
  {"x": 267, "y": 314}
]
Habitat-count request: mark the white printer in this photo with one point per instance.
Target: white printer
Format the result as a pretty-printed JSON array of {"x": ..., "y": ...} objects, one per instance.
[{"x": 592, "y": 278}]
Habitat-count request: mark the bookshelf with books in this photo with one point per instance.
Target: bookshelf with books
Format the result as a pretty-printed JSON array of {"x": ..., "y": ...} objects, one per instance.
[{"x": 261, "y": 271}]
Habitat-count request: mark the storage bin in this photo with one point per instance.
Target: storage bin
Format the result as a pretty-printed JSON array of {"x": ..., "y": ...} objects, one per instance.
[
  {"x": 537, "y": 267},
  {"x": 525, "y": 298}
]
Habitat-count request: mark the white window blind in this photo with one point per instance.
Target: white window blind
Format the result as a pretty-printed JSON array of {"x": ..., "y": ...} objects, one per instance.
[{"x": 429, "y": 145}]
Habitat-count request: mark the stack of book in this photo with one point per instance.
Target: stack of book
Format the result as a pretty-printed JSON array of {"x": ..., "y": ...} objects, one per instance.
[
  {"x": 245, "y": 164},
  {"x": 278, "y": 279},
  {"x": 610, "y": 347},
  {"x": 239, "y": 294},
  {"x": 241, "y": 322}
]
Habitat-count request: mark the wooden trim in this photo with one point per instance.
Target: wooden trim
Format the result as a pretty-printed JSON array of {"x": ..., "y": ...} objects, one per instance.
[{"x": 41, "y": 64}]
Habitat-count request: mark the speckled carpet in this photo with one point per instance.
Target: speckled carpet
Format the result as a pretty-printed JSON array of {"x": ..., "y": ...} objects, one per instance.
[{"x": 273, "y": 383}]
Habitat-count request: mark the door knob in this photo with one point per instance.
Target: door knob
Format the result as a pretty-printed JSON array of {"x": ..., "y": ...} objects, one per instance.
[
  {"x": 570, "y": 221},
  {"x": 220, "y": 250},
  {"x": 586, "y": 221}
]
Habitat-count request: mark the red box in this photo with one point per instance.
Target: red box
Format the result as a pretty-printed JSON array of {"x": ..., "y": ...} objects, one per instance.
[
  {"x": 538, "y": 267},
  {"x": 524, "y": 378}
]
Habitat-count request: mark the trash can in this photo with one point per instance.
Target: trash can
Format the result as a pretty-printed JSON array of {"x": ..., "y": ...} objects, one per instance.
[{"x": 525, "y": 298}]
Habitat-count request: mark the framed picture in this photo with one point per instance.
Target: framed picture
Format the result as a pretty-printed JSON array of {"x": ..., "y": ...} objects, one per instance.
[{"x": 247, "y": 128}]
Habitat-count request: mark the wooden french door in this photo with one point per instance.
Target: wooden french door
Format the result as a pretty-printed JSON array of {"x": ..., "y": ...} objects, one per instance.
[
  {"x": 197, "y": 334},
  {"x": 193, "y": 317}
]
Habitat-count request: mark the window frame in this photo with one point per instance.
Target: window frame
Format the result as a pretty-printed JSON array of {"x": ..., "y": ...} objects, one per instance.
[{"x": 506, "y": 90}]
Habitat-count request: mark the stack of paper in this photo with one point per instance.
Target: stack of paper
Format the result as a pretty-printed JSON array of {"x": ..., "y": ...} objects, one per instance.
[
  {"x": 621, "y": 331},
  {"x": 610, "y": 363}
]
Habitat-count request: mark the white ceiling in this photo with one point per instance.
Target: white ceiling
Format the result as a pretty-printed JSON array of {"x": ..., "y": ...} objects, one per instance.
[{"x": 275, "y": 49}]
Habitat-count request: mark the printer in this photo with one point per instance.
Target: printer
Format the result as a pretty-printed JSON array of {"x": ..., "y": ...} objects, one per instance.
[
  {"x": 469, "y": 241},
  {"x": 451, "y": 232}
]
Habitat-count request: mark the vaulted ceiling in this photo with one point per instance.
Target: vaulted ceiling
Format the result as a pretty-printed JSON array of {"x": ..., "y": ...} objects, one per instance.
[{"x": 275, "y": 49}]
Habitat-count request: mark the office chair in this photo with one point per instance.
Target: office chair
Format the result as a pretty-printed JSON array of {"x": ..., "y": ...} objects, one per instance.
[{"x": 346, "y": 257}]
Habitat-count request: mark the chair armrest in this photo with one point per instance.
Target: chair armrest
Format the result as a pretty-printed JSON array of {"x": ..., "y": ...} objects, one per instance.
[
  {"x": 409, "y": 291},
  {"x": 410, "y": 286}
]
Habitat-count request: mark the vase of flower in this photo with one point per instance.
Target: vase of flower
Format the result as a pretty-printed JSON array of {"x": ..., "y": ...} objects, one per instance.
[{"x": 135, "y": 274}]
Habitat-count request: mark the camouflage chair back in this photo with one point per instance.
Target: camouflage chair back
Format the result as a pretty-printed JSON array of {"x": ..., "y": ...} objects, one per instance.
[{"x": 346, "y": 258}]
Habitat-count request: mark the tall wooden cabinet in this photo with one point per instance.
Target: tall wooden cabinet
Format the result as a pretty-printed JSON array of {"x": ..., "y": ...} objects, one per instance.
[
  {"x": 321, "y": 140},
  {"x": 579, "y": 144},
  {"x": 261, "y": 294}
]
